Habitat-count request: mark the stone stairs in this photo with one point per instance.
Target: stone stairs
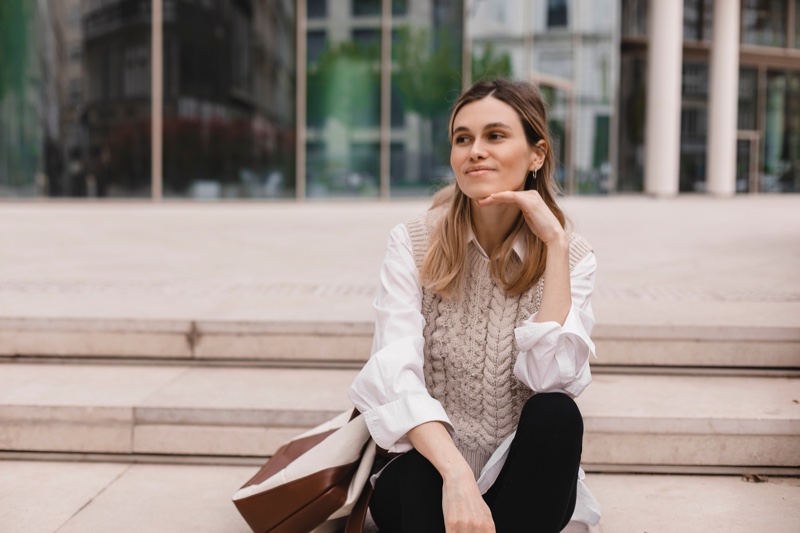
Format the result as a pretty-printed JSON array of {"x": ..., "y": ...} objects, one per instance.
[{"x": 664, "y": 399}]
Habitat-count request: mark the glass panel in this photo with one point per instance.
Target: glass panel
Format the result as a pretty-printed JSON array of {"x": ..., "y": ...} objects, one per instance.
[
  {"x": 764, "y": 22},
  {"x": 697, "y": 20},
  {"x": 634, "y": 18},
  {"x": 317, "y": 9},
  {"x": 362, "y": 8},
  {"x": 557, "y": 119},
  {"x": 743, "y": 165},
  {"x": 229, "y": 99},
  {"x": 574, "y": 67},
  {"x": 343, "y": 102},
  {"x": 426, "y": 74},
  {"x": 781, "y": 166},
  {"x": 399, "y": 7},
  {"x": 556, "y": 13},
  {"x": 748, "y": 98},
  {"x": 694, "y": 127},
  {"x": 797, "y": 23},
  {"x": 74, "y": 98},
  {"x": 633, "y": 104}
]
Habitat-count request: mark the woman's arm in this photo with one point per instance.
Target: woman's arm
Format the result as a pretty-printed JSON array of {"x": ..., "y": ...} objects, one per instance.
[
  {"x": 555, "y": 357},
  {"x": 463, "y": 506},
  {"x": 556, "y": 297},
  {"x": 390, "y": 389}
]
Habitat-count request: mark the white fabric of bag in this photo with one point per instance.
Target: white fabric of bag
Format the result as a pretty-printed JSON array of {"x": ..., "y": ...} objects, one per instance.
[{"x": 340, "y": 448}]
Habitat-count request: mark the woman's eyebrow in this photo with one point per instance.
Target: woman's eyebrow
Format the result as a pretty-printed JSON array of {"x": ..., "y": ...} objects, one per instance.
[
  {"x": 490, "y": 126},
  {"x": 497, "y": 125}
]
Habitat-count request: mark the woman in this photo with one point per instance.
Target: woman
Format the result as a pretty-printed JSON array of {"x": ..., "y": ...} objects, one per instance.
[{"x": 476, "y": 360}]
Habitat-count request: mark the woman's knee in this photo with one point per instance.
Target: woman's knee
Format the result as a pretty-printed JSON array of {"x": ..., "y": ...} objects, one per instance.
[{"x": 554, "y": 410}]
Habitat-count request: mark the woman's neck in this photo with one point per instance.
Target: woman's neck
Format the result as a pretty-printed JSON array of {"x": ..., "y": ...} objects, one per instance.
[{"x": 491, "y": 224}]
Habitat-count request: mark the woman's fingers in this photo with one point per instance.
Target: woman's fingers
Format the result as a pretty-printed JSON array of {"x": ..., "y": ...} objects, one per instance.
[{"x": 504, "y": 197}]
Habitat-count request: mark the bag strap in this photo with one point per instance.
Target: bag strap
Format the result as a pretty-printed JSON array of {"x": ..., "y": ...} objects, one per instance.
[{"x": 355, "y": 522}]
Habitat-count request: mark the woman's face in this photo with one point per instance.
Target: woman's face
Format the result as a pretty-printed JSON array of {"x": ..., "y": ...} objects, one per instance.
[{"x": 490, "y": 153}]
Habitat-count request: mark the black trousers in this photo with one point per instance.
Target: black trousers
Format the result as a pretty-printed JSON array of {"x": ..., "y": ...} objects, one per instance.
[{"x": 535, "y": 491}]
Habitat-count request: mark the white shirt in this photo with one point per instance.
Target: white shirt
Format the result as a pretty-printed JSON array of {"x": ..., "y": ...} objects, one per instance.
[{"x": 390, "y": 390}]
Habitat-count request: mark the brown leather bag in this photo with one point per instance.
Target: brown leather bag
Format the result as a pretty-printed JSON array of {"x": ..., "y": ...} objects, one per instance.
[{"x": 318, "y": 482}]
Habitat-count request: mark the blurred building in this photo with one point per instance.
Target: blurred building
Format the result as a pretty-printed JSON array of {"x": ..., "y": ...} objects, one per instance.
[{"x": 331, "y": 98}]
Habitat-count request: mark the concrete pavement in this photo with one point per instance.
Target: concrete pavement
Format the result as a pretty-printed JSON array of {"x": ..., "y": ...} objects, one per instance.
[
  {"x": 46, "y": 497},
  {"x": 685, "y": 261},
  {"x": 192, "y": 283}
]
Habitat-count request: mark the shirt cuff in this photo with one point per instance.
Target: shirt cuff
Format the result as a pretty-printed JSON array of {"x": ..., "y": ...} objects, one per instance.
[
  {"x": 532, "y": 333},
  {"x": 389, "y": 423}
]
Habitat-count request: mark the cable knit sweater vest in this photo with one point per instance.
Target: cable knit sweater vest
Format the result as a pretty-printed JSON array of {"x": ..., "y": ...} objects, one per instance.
[{"x": 470, "y": 349}]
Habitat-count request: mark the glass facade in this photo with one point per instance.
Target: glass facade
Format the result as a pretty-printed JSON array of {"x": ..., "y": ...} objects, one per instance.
[
  {"x": 697, "y": 20},
  {"x": 781, "y": 167},
  {"x": 373, "y": 86},
  {"x": 425, "y": 79},
  {"x": 764, "y": 22},
  {"x": 767, "y": 133},
  {"x": 229, "y": 99},
  {"x": 571, "y": 50},
  {"x": 74, "y": 98}
]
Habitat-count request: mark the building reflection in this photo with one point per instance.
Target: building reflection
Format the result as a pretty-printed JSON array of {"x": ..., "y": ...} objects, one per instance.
[{"x": 228, "y": 126}]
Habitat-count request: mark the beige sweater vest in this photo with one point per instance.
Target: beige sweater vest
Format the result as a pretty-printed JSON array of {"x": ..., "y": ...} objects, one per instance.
[{"x": 470, "y": 349}]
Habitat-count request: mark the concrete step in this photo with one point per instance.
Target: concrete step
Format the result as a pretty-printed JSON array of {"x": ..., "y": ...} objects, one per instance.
[
  {"x": 633, "y": 422},
  {"x": 347, "y": 344},
  {"x": 177, "y": 498}
]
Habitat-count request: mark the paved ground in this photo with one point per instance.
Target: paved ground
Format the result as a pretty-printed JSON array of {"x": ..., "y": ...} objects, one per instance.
[
  {"x": 687, "y": 261},
  {"x": 691, "y": 260},
  {"x": 137, "y": 498}
]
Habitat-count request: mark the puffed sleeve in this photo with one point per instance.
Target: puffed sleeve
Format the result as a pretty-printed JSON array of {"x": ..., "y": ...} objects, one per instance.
[
  {"x": 555, "y": 358},
  {"x": 390, "y": 390}
]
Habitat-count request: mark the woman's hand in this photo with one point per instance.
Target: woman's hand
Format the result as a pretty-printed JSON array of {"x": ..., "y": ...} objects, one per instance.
[
  {"x": 462, "y": 503},
  {"x": 465, "y": 511},
  {"x": 542, "y": 222}
]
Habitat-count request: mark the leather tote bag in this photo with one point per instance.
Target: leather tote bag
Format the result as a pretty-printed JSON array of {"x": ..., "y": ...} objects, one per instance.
[{"x": 314, "y": 482}]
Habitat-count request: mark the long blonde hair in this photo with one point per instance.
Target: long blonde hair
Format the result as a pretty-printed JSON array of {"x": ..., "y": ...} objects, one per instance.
[{"x": 444, "y": 267}]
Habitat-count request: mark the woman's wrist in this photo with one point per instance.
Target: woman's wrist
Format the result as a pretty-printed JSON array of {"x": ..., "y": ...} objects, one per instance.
[{"x": 560, "y": 240}]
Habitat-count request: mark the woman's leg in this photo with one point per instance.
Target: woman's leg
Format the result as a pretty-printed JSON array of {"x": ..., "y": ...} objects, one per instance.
[
  {"x": 536, "y": 488},
  {"x": 408, "y": 497}
]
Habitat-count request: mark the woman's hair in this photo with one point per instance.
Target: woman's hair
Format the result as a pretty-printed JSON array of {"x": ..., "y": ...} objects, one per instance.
[{"x": 445, "y": 262}]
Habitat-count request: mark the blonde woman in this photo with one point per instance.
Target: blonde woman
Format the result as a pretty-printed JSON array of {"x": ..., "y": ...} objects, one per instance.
[{"x": 482, "y": 338}]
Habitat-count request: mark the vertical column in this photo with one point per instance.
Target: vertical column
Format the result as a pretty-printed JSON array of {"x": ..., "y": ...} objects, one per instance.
[
  {"x": 386, "y": 96},
  {"x": 723, "y": 103},
  {"x": 300, "y": 104},
  {"x": 662, "y": 133},
  {"x": 466, "y": 46},
  {"x": 157, "y": 99}
]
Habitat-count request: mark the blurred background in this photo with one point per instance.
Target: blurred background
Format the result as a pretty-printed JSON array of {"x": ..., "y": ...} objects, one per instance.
[{"x": 350, "y": 98}]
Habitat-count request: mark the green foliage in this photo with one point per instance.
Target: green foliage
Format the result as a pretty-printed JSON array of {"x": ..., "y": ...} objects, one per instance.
[
  {"x": 14, "y": 23},
  {"x": 490, "y": 64},
  {"x": 428, "y": 76},
  {"x": 344, "y": 83}
]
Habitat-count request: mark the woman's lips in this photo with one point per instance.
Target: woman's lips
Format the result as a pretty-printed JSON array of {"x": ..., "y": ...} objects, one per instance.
[{"x": 477, "y": 171}]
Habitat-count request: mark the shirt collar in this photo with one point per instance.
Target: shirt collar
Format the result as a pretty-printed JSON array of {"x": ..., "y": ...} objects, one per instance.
[{"x": 519, "y": 245}]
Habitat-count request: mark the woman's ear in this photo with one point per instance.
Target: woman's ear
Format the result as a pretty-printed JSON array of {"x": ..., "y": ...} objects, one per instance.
[{"x": 538, "y": 155}]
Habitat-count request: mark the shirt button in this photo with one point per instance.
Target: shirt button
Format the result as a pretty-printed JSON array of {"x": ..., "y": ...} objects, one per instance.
[{"x": 526, "y": 334}]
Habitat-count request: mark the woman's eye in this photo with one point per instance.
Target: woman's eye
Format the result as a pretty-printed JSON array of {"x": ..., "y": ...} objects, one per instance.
[
  {"x": 496, "y": 136},
  {"x": 461, "y": 140}
]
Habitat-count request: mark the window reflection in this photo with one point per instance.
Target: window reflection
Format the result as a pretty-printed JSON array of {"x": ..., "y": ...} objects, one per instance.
[
  {"x": 343, "y": 101},
  {"x": 572, "y": 55},
  {"x": 426, "y": 76},
  {"x": 764, "y": 22},
  {"x": 697, "y": 20},
  {"x": 229, "y": 99},
  {"x": 781, "y": 168}
]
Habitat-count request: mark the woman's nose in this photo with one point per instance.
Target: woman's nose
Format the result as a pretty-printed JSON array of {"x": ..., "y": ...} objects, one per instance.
[{"x": 477, "y": 151}]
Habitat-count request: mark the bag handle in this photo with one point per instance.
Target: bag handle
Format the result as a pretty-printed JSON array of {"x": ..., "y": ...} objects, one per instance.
[{"x": 355, "y": 522}]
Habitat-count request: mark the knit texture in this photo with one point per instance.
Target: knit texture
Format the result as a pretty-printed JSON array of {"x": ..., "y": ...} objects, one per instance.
[{"x": 470, "y": 349}]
